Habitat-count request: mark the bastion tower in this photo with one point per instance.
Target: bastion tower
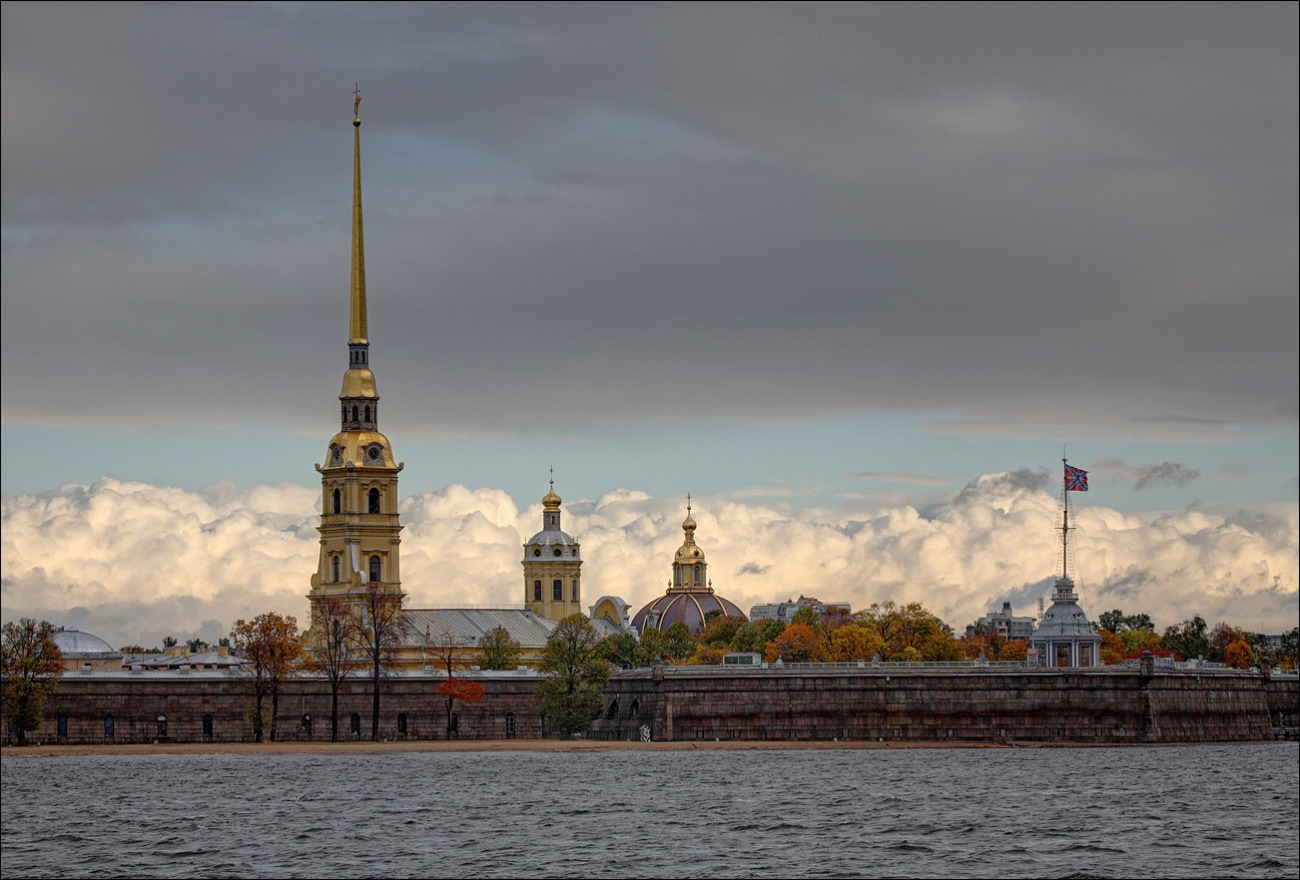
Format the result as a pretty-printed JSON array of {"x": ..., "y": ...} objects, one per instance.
[
  {"x": 552, "y": 563},
  {"x": 359, "y": 528}
]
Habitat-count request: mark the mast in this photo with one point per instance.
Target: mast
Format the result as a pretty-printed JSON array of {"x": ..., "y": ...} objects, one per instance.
[{"x": 1065, "y": 520}]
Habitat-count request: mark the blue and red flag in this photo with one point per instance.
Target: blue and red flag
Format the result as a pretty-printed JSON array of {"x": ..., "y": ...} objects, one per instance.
[{"x": 1075, "y": 480}]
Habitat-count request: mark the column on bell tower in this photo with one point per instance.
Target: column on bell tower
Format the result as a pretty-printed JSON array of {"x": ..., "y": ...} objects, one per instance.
[
  {"x": 552, "y": 566},
  {"x": 360, "y": 528}
]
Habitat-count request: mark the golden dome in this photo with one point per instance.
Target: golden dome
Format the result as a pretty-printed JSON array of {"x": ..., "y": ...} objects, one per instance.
[{"x": 358, "y": 382}]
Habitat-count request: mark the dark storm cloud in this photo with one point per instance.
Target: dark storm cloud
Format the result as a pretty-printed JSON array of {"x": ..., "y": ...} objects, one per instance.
[{"x": 630, "y": 211}]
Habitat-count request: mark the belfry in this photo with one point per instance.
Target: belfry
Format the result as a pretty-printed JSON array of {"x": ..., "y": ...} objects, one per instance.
[
  {"x": 359, "y": 529},
  {"x": 552, "y": 563}
]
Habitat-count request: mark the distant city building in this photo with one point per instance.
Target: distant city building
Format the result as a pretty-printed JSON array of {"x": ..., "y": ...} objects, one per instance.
[
  {"x": 785, "y": 611},
  {"x": 1003, "y": 623},
  {"x": 690, "y": 598}
]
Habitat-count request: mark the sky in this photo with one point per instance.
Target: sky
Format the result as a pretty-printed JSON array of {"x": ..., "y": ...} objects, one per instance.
[{"x": 855, "y": 276}]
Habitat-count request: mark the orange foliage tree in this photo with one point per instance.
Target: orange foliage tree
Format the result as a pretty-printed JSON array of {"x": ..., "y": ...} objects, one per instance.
[
  {"x": 270, "y": 645},
  {"x": 459, "y": 689},
  {"x": 797, "y": 643}
]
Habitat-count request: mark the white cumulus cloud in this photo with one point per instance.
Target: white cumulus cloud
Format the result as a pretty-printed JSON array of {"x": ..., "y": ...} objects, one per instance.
[{"x": 133, "y": 563}]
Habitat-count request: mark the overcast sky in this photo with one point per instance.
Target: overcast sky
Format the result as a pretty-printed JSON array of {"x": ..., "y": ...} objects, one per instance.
[{"x": 823, "y": 260}]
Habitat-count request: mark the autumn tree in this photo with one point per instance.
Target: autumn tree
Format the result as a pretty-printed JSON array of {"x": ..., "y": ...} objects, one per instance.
[
  {"x": 31, "y": 665},
  {"x": 335, "y": 633},
  {"x": 381, "y": 628},
  {"x": 854, "y": 642},
  {"x": 271, "y": 649},
  {"x": 797, "y": 643},
  {"x": 498, "y": 650},
  {"x": 463, "y": 689},
  {"x": 911, "y": 633},
  {"x": 573, "y": 692}
]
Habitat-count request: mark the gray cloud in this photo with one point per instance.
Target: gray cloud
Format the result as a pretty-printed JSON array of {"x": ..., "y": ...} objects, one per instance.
[{"x": 1010, "y": 213}]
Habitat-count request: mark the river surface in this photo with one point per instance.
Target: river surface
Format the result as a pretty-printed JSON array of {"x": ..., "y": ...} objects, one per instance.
[{"x": 1173, "y": 811}]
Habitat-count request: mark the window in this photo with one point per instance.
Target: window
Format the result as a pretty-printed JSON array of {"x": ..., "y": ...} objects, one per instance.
[
  {"x": 338, "y": 501},
  {"x": 574, "y": 552},
  {"x": 401, "y": 723},
  {"x": 367, "y": 414},
  {"x": 537, "y": 551},
  {"x": 612, "y": 712},
  {"x": 557, "y": 590},
  {"x": 697, "y": 575},
  {"x": 306, "y": 725},
  {"x": 510, "y": 725},
  {"x": 162, "y": 725},
  {"x": 355, "y": 726},
  {"x": 354, "y": 413},
  {"x": 374, "y": 501},
  {"x": 207, "y": 727},
  {"x": 537, "y": 591},
  {"x": 1062, "y": 655},
  {"x": 376, "y": 572},
  {"x": 575, "y": 589},
  {"x": 108, "y": 726},
  {"x": 334, "y": 564},
  {"x": 63, "y": 726},
  {"x": 557, "y": 552}
]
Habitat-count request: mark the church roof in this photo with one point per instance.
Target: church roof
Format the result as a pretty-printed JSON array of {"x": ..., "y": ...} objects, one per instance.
[
  {"x": 468, "y": 625},
  {"x": 690, "y": 607}
]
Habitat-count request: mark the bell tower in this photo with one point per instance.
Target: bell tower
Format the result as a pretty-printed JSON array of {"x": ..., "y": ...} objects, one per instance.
[
  {"x": 359, "y": 529},
  {"x": 552, "y": 566}
]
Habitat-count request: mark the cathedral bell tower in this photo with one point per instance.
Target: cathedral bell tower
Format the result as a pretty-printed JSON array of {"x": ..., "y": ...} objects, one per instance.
[
  {"x": 359, "y": 529},
  {"x": 552, "y": 559}
]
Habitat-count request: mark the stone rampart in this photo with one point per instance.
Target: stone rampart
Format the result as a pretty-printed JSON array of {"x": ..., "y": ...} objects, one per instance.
[
  {"x": 967, "y": 704},
  {"x": 811, "y": 702}
]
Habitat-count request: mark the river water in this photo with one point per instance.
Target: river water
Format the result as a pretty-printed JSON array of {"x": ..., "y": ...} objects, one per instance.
[{"x": 1173, "y": 811}]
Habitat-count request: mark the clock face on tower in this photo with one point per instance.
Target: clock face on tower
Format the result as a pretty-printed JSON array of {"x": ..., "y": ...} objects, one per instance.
[{"x": 373, "y": 453}]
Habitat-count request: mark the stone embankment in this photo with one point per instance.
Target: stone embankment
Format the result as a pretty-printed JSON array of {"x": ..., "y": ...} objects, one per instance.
[{"x": 816, "y": 702}]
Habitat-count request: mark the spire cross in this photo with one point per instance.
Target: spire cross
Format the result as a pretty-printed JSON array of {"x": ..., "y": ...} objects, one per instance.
[
  {"x": 552, "y": 476},
  {"x": 688, "y": 502},
  {"x": 356, "y": 98}
]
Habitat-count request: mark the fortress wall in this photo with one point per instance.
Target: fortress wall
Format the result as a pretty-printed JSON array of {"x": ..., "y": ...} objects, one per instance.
[
  {"x": 135, "y": 700},
  {"x": 945, "y": 706},
  {"x": 693, "y": 703}
]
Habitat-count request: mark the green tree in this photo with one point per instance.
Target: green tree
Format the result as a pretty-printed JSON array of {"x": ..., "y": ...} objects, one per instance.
[
  {"x": 678, "y": 643},
  {"x": 31, "y": 662},
  {"x": 573, "y": 693},
  {"x": 623, "y": 651},
  {"x": 497, "y": 650},
  {"x": 1188, "y": 640}
]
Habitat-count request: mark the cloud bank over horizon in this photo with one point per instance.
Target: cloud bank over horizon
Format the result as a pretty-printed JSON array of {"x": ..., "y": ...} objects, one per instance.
[{"x": 132, "y": 562}]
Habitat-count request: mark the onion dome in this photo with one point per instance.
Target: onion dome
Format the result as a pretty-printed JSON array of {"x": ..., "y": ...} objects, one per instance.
[
  {"x": 551, "y": 541},
  {"x": 690, "y": 598}
]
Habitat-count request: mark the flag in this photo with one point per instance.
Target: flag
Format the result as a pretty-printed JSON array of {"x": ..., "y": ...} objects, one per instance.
[{"x": 1075, "y": 479}]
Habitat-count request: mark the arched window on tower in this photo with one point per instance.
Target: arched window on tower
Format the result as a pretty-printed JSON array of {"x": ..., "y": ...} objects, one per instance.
[
  {"x": 334, "y": 567},
  {"x": 537, "y": 591},
  {"x": 697, "y": 575},
  {"x": 374, "y": 501},
  {"x": 338, "y": 501},
  {"x": 354, "y": 413},
  {"x": 367, "y": 413},
  {"x": 575, "y": 589},
  {"x": 557, "y": 590},
  {"x": 376, "y": 573}
]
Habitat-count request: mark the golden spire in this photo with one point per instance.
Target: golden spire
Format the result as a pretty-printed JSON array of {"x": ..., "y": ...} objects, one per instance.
[{"x": 357, "y": 325}]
